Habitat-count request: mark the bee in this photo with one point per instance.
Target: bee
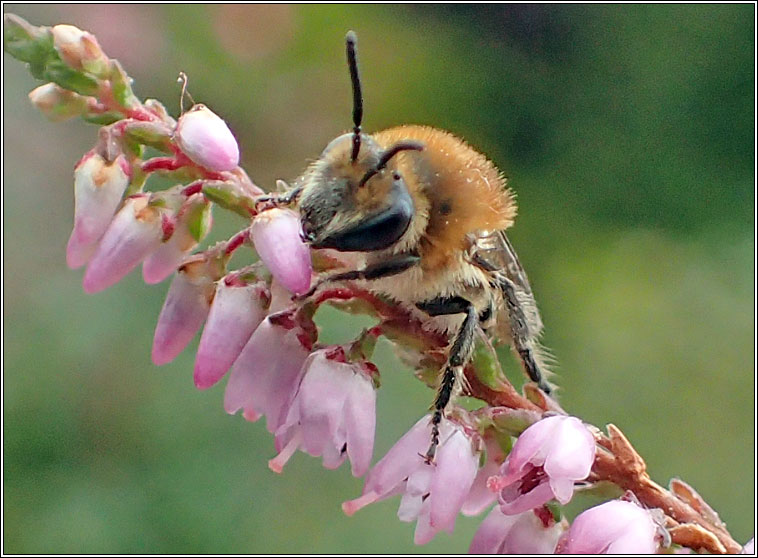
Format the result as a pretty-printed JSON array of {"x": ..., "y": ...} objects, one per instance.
[{"x": 426, "y": 215}]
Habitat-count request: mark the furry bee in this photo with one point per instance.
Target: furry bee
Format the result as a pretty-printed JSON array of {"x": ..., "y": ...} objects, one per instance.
[{"x": 427, "y": 215}]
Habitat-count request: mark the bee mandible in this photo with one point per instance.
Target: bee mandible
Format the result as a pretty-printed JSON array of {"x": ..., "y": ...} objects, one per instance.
[{"x": 426, "y": 215}]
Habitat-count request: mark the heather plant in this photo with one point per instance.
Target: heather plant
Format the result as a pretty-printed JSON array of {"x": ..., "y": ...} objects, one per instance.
[{"x": 520, "y": 450}]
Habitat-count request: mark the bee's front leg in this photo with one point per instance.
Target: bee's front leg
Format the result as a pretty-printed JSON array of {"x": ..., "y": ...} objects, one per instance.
[
  {"x": 460, "y": 353},
  {"x": 391, "y": 266}
]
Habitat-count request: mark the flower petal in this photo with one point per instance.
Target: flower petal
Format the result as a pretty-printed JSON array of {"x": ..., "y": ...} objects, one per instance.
[{"x": 572, "y": 451}]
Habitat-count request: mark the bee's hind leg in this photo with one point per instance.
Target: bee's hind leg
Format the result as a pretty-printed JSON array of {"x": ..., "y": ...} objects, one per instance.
[
  {"x": 524, "y": 339},
  {"x": 460, "y": 353}
]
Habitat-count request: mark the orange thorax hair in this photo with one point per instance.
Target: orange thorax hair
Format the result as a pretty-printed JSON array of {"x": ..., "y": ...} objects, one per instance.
[{"x": 459, "y": 188}]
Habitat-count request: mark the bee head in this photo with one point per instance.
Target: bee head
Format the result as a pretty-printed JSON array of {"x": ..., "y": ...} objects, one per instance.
[{"x": 353, "y": 197}]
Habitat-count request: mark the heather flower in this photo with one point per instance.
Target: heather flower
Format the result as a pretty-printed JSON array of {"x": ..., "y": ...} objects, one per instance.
[
  {"x": 333, "y": 414},
  {"x": 192, "y": 222},
  {"x": 98, "y": 188},
  {"x": 531, "y": 532},
  {"x": 546, "y": 460},
  {"x": 206, "y": 139},
  {"x": 616, "y": 527},
  {"x": 267, "y": 373},
  {"x": 184, "y": 311},
  {"x": 433, "y": 493},
  {"x": 135, "y": 232},
  {"x": 236, "y": 312},
  {"x": 276, "y": 236},
  {"x": 749, "y": 547}
]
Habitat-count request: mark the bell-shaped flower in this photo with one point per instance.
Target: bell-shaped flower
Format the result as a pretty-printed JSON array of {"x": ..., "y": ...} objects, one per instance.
[
  {"x": 276, "y": 236},
  {"x": 206, "y": 139},
  {"x": 546, "y": 460},
  {"x": 333, "y": 414},
  {"x": 184, "y": 311},
  {"x": 267, "y": 373},
  {"x": 135, "y": 232},
  {"x": 236, "y": 312},
  {"x": 98, "y": 188},
  {"x": 749, "y": 547},
  {"x": 531, "y": 532},
  {"x": 433, "y": 493},
  {"x": 616, "y": 527},
  {"x": 192, "y": 223}
]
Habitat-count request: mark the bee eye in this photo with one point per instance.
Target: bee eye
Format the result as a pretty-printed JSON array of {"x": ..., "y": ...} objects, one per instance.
[{"x": 378, "y": 231}]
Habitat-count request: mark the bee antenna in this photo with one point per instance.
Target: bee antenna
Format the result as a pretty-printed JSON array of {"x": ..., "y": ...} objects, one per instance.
[
  {"x": 352, "y": 62},
  {"x": 389, "y": 154}
]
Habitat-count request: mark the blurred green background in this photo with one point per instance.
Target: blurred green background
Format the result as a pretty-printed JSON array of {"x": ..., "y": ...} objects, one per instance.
[{"x": 627, "y": 133}]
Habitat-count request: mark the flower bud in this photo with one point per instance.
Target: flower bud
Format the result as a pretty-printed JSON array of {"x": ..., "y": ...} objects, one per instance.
[
  {"x": 80, "y": 50},
  {"x": 58, "y": 104},
  {"x": 98, "y": 188},
  {"x": 276, "y": 235},
  {"x": 206, "y": 139},
  {"x": 236, "y": 312},
  {"x": 133, "y": 234},
  {"x": 184, "y": 311}
]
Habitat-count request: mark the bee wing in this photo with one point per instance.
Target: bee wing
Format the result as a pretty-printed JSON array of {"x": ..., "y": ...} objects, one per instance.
[{"x": 494, "y": 252}]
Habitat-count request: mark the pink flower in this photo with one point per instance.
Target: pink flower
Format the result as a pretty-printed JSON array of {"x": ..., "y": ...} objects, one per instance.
[
  {"x": 206, "y": 139},
  {"x": 546, "y": 460},
  {"x": 749, "y": 547},
  {"x": 58, "y": 104},
  {"x": 480, "y": 496},
  {"x": 616, "y": 527},
  {"x": 531, "y": 532},
  {"x": 267, "y": 373},
  {"x": 433, "y": 493},
  {"x": 276, "y": 235},
  {"x": 133, "y": 234},
  {"x": 236, "y": 312},
  {"x": 333, "y": 414},
  {"x": 98, "y": 188},
  {"x": 193, "y": 220},
  {"x": 184, "y": 311}
]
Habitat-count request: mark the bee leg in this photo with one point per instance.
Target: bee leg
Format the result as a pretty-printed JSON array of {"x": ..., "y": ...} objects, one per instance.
[
  {"x": 391, "y": 266},
  {"x": 523, "y": 337},
  {"x": 460, "y": 353}
]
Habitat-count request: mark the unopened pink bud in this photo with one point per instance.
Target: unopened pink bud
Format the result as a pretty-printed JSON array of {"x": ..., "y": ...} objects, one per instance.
[
  {"x": 184, "y": 311},
  {"x": 235, "y": 314},
  {"x": 98, "y": 188},
  {"x": 80, "y": 50},
  {"x": 133, "y": 234},
  {"x": 276, "y": 236},
  {"x": 206, "y": 139},
  {"x": 58, "y": 104}
]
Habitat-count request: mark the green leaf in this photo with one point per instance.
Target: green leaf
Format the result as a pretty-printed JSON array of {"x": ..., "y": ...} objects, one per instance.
[
  {"x": 153, "y": 134},
  {"x": 121, "y": 85},
  {"x": 103, "y": 118},
  {"x": 487, "y": 365},
  {"x": 226, "y": 199}
]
